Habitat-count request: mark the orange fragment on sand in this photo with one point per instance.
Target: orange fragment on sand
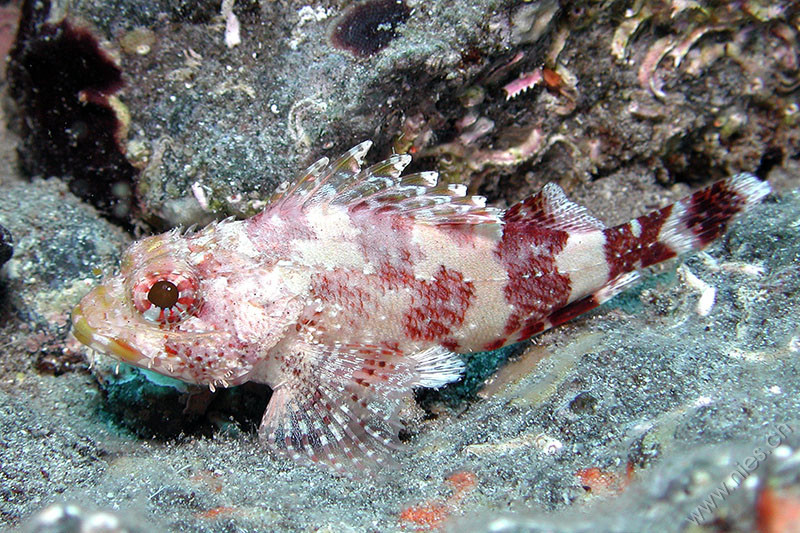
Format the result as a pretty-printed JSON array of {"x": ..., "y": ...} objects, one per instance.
[
  {"x": 777, "y": 513},
  {"x": 208, "y": 478},
  {"x": 430, "y": 516},
  {"x": 216, "y": 512},
  {"x": 462, "y": 482},
  {"x": 551, "y": 78},
  {"x": 603, "y": 482}
]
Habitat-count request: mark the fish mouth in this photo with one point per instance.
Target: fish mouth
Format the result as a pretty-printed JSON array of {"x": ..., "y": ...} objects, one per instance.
[{"x": 88, "y": 335}]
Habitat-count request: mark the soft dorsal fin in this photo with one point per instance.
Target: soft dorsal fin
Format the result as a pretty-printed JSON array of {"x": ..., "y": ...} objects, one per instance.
[
  {"x": 381, "y": 188},
  {"x": 551, "y": 208}
]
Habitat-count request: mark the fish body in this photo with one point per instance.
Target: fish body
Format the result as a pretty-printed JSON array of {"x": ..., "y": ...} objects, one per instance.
[{"x": 354, "y": 286}]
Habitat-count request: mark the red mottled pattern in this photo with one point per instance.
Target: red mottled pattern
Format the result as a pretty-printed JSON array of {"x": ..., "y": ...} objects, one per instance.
[
  {"x": 531, "y": 327},
  {"x": 626, "y": 252},
  {"x": 653, "y": 251},
  {"x": 709, "y": 210},
  {"x": 462, "y": 235},
  {"x": 195, "y": 356},
  {"x": 394, "y": 278},
  {"x": 451, "y": 344},
  {"x": 535, "y": 206},
  {"x": 202, "y": 359},
  {"x": 343, "y": 287},
  {"x": 385, "y": 238},
  {"x": 438, "y": 306},
  {"x": 535, "y": 287},
  {"x": 344, "y": 324}
]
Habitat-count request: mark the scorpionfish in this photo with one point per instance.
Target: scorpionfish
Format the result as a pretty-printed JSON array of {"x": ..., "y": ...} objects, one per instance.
[{"x": 354, "y": 286}]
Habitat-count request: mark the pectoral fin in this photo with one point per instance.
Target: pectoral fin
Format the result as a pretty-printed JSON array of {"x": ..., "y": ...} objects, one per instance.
[{"x": 341, "y": 410}]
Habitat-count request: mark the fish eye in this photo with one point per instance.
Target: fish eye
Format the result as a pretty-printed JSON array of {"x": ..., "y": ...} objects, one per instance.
[
  {"x": 163, "y": 294},
  {"x": 167, "y": 297}
]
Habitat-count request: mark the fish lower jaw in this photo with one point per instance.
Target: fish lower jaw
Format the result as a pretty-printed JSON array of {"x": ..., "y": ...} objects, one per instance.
[{"x": 87, "y": 335}]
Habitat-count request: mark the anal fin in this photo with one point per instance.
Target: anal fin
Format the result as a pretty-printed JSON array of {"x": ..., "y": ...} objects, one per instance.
[
  {"x": 596, "y": 299},
  {"x": 578, "y": 307}
]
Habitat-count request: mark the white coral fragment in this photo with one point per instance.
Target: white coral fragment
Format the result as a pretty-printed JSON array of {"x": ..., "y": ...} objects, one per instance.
[
  {"x": 232, "y": 28},
  {"x": 708, "y": 294}
]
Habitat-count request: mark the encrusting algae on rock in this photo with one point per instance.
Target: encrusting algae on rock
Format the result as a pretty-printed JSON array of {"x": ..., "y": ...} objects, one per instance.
[{"x": 354, "y": 286}]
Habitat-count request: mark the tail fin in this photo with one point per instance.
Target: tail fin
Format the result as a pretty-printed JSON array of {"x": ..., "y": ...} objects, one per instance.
[
  {"x": 690, "y": 224},
  {"x": 561, "y": 262}
]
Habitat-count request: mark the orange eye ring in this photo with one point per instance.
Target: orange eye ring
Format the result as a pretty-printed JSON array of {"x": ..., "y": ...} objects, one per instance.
[{"x": 167, "y": 297}]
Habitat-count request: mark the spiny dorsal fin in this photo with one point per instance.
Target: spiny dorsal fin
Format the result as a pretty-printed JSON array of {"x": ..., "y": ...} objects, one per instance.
[
  {"x": 343, "y": 411},
  {"x": 323, "y": 174},
  {"x": 552, "y": 209},
  {"x": 381, "y": 188}
]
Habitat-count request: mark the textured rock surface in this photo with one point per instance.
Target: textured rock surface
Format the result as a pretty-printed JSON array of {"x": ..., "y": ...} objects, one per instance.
[
  {"x": 6, "y": 245},
  {"x": 61, "y": 248},
  {"x": 211, "y": 129}
]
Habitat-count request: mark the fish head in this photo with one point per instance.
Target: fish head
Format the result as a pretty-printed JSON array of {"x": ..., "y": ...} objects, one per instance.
[{"x": 173, "y": 308}]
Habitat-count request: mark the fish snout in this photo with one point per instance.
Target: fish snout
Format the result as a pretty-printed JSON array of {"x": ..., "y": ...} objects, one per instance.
[{"x": 88, "y": 335}]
